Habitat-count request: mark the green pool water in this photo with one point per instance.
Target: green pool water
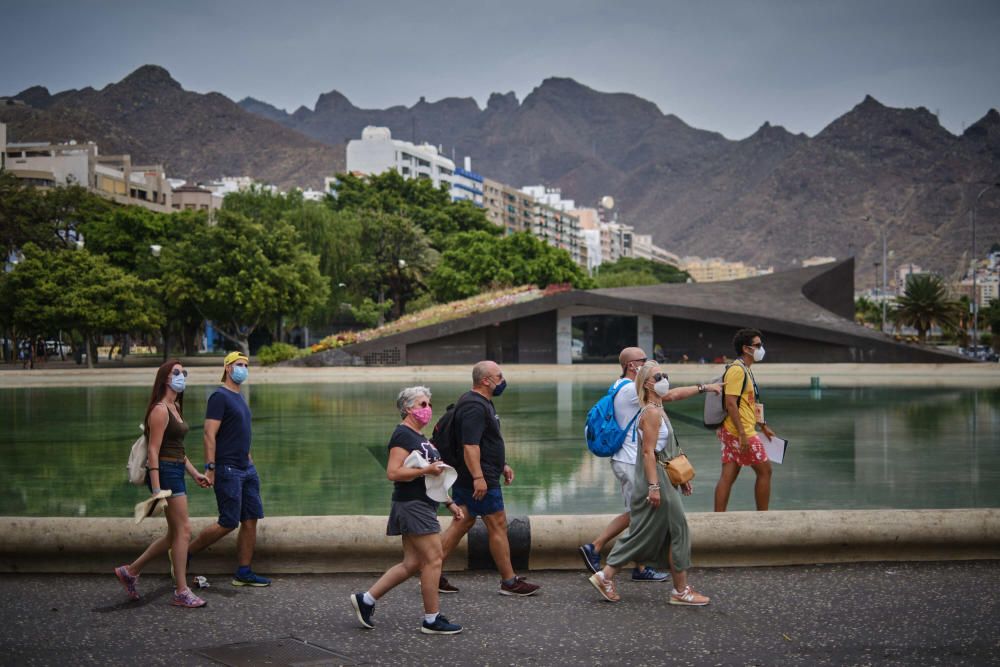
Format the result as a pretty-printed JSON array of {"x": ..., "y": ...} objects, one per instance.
[{"x": 320, "y": 449}]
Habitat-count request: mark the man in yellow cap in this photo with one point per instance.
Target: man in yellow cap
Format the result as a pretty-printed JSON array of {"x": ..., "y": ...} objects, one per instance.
[{"x": 231, "y": 471}]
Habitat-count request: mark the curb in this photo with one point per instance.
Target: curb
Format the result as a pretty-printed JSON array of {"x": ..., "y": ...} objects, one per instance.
[{"x": 328, "y": 544}]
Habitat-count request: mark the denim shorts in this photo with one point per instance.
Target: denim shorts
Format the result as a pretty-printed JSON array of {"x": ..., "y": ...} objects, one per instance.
[
  {"x": 237, "y": 493},
  {"x": 491, "y": 503},
  {"x": 171, "y": 477}
]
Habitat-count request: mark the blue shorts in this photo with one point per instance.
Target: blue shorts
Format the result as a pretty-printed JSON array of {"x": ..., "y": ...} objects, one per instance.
[
  {"x": 237, "y": 493},
  {"x": 171, "y": 477},
  {"x": 491, "y": 503}
]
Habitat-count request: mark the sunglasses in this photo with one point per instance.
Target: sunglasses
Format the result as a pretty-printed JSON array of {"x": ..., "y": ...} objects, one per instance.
[
  {"x": 641, "y": 361},
  {"x": 656, "y": 377},
  {"x": 424, "y": 404},
  {"x": 757, "y": 345},
  {"x": 176, "y": 372}
]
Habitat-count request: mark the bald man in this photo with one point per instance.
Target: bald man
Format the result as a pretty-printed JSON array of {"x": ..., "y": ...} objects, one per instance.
[{"x": 484, "y": 463}]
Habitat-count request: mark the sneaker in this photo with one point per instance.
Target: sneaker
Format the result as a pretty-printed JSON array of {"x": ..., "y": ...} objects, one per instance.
[
  {"x": 445, "y": 586},
  {"x": 440, "y": 626},
  {"x": 520, "y": 587},
  {"x": 364, "y": 611},
  {"x": 591, "y": 557},
  {"x": 605, "y": 587},
  {"x": 250, "y": 579},
  {"x": 187, "y": 599},
  {"x": 649, "y": 574},
  {"x": 128, "y": 581},
  {"x": 688, "y": 597}
]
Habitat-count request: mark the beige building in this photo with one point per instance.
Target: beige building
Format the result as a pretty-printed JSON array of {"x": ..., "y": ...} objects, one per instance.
[
  {"x": 644, "y": 248},
  {"x": 508, "y": 207},
  {"x": 716, "y": 269},
  {"x": 112, "y": 176},
  {"x": 195, "y": 198}
]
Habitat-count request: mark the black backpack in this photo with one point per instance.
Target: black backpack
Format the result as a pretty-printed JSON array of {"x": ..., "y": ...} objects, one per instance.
[{"x": 444, "y": 437}]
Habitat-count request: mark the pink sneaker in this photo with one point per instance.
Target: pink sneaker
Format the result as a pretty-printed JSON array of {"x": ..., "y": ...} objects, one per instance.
[
  {"x": 128, "y": 581},
  {"x": 187, "y": 599}
]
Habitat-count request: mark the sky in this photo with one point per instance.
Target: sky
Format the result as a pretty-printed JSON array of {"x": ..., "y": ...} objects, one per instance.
[{"x": 721, "y": 65}]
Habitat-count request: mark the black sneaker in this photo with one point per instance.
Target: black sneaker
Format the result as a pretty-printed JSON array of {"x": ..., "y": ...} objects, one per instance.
[
  {"x": 364, "y": 611},
  {"x": 440, "y": 626},
  {"x": 444, "y": 586}
]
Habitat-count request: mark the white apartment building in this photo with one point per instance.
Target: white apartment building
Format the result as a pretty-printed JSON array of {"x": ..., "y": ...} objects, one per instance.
[
  {"x": 377, "y": 152},
  {"x": 554, "y": 222},
  {"x": 644, "y": 248},
  {"x": 468, "y": 185}
]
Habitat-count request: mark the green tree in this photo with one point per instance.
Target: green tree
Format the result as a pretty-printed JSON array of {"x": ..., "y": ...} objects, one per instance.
[
  {"x": 241, "y": 273},
  {"x": 924, "y": 304},
  {"x": 49, "y": 290},
  {"x": 867, "y": 311},
  {"x": 629, "y": 271},
  {"x": 477, "y": 261}
]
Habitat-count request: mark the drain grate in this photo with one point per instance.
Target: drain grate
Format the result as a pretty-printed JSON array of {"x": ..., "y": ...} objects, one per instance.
[{"x": 287, "y": 651}]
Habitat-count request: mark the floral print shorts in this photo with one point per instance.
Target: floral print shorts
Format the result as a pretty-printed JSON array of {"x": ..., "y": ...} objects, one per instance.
[{"x": 731, "y": 452}]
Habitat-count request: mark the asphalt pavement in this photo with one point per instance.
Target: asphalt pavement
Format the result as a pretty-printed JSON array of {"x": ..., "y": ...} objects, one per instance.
[{"x": 943, "y": 613}]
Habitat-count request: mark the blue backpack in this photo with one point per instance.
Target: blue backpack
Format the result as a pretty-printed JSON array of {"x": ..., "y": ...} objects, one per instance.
[{"x": 604, "y": 436}]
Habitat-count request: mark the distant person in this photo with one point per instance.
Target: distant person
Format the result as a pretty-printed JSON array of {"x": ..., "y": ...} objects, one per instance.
[
  {"x": 482, "y": 464},
  {"x": 741, "y": 446},
  {"x": 658, "y": 533},
  {"x": 413, "y": 516},
  {"x": 659, "y": 354},
  {"x": 167, "y": 461},
  {"x": 623, "y": 463},
  {"x": 231, "y": 470}
]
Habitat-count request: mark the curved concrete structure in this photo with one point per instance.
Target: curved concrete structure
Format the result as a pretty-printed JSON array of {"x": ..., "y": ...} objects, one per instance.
[{"x": 358, "y": 543}]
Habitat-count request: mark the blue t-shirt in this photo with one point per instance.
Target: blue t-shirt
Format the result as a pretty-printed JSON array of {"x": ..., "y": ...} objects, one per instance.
[{"x": 232, "y": 442}]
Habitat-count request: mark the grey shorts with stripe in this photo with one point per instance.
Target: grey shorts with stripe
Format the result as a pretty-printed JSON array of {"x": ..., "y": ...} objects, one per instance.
[{"x": 413, "y": 517}]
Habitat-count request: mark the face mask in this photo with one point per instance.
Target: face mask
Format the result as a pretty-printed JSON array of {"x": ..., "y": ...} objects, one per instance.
[
  {"x": 758, "y": 353},
  {"x": 177, "y": 383},
  {"x": 239, "y": 374},
  {"x": 422, "y": 415},
  {"x": 662, "y": 387},
  {"x": 498, "y": 389}
]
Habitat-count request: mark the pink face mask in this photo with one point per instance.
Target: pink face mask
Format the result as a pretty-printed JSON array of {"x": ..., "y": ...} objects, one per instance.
[{"x": 422, "y": 415}]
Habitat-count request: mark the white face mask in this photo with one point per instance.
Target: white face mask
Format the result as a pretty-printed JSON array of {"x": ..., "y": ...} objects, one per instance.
[
  {"x": 662, "y": 387},
  {"x": 758, "y": 353}
]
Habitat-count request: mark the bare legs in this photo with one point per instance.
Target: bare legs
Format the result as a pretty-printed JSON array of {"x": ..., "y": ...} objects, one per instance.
[
  {"x": 761, "y": 489},
  {"x": 177, "y": 538},
  {"x": 679, "y": 577},
  {"x": 496, "y": 528},
  {"x": 423, "y": 554},
  {"x": 612, "y": 530}
]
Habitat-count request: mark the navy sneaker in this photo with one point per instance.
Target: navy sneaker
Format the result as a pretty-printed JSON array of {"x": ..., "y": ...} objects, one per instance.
[
  {"x": 440, "y": 626},
  {"x": 364, "y": 611},
  {"x": 591, "y": 557},
  {"x": 250, "y": 579},
  {"x": 649, "y": 574}
]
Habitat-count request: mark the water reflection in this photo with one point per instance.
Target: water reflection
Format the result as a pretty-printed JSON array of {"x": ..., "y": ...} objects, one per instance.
[{"x": 320, "y": 449}]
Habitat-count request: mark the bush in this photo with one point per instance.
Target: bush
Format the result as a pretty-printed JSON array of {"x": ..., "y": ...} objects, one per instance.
[{"x": 278, "y": 352}]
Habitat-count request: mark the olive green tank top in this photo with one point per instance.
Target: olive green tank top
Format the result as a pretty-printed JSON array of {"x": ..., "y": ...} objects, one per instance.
[{"x": 172, "y": 446}]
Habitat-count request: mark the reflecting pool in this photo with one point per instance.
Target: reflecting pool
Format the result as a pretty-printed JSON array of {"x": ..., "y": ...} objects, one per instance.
[{"x": 320, "y": 449}]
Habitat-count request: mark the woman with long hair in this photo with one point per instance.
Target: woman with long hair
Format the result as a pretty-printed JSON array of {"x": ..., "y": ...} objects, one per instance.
[
  {"x": 658, "y": 531},
  {"x": 165, "y": 429}
]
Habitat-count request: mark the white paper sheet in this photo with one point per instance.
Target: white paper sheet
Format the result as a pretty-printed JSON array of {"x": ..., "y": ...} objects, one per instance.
[{"x": 775, "y": 448}]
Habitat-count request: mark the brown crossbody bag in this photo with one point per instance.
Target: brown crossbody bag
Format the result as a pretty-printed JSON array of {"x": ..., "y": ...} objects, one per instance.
[{"x": 678, "y": 468}]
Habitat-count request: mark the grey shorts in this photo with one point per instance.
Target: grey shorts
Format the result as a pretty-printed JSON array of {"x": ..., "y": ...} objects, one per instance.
[
  {"x": 624, "y": 472},
  {"x": 413, "y": 517}
]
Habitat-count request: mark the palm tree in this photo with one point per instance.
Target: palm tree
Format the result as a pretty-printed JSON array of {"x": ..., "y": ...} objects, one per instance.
[{"x": 926, "y": 303}]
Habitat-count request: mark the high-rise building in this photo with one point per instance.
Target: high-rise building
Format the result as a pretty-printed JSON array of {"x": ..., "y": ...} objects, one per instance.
[
  {"x": 377, "y": 152},
  {"x": 508, "y": 207},
  {"x": 467, "y": 184}
]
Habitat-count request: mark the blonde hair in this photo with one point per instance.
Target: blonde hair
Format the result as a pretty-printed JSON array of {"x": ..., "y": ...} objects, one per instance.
[{"x": 640, "y": 380}]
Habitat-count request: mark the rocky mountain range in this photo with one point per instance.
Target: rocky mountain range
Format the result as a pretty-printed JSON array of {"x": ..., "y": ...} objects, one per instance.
[{"x": 773, "y": 198}]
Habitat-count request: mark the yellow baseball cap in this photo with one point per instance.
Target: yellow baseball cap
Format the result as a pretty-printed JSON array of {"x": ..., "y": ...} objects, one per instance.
[{"x": 232, "y": 358}]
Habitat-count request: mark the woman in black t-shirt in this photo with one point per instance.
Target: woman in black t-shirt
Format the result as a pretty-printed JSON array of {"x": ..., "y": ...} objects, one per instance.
[{"x": 413, "y": 516}]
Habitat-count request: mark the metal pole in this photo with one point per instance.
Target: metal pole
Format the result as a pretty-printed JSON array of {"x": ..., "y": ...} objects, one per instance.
[
  {"x": 975, "y": 300},
  {"x": 885, "y": 273}
]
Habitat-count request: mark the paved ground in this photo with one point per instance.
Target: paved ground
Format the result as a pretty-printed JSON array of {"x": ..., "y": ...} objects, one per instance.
[{"x": 859, "y": 614}]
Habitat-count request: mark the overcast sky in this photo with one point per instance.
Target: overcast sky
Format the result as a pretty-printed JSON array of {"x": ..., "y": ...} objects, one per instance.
[{"x": 720, "y": 65}]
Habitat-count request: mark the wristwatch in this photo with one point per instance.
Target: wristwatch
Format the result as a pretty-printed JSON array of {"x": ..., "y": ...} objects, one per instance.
[
  {"x": 209, "y": 466},
  {"x": 701, "y": 389}
]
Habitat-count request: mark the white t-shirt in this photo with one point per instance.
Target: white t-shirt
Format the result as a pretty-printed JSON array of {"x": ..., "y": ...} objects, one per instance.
[{"x": 626, "y": 407}]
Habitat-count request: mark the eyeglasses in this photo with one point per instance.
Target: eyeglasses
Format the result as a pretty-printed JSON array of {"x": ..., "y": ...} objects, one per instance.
[
  {"x": 756, "y": 345},
  {"x": 177, "y": 372},
  {"x": 660, "y": 376}
]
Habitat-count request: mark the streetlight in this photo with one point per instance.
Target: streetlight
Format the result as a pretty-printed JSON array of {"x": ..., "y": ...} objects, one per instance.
[
  {"x": 885, "y": 270},
  {"x": 155, "y": 249},
  {"x": 975, "y": 295}
]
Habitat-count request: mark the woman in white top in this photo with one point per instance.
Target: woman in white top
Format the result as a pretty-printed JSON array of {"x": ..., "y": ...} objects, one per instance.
[{"x": 658, "y": 533}]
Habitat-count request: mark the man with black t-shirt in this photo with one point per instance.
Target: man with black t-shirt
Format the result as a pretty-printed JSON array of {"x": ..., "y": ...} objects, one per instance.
[{"x": 477, "y": 490}]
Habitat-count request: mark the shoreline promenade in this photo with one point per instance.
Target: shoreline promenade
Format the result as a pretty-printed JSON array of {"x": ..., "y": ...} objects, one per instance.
[{"x": 850, "y": 614}]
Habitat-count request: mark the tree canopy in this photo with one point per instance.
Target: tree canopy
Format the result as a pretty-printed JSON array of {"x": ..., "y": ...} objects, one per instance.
[{"x": 926, "y": 303}]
